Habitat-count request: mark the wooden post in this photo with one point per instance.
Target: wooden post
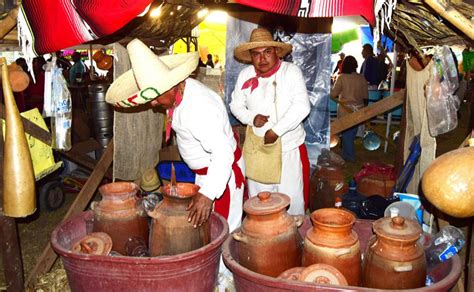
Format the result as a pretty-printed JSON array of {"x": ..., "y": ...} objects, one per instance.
[
  {"x": 9, "y": 242},
  {"x": 48, "y": 256}
]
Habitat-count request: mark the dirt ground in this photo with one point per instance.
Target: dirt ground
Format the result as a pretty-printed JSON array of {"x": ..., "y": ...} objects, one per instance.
[{"x": 35, "y": 230}]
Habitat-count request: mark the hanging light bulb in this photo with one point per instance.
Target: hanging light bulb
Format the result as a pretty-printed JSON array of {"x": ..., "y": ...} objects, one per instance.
[{"x": 156, "y": 12}]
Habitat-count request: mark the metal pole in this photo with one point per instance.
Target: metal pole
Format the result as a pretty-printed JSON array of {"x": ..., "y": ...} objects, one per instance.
[
  {"x": 392, "y": 88},
  {"x": 9, "y": 242}
]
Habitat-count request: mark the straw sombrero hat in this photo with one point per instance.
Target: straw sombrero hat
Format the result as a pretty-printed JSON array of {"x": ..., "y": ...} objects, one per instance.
[
  {"x": 259, "y": 38},
  {"x": 150, "y": 75}
]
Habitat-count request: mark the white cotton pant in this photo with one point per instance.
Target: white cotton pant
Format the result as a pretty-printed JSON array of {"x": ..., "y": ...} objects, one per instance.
[{"x": 291, "y": 183}]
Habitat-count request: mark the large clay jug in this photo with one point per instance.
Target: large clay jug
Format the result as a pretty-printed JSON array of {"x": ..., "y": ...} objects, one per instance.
[
  {"x": 332, "y": 241},
  {"x": 269, "y": 241},
  {"x": 396, "y": 254},
  {"x": 171, "y": 233},
  {"x": 117, "y": 215},
  {"x": 19, "y": 197}
]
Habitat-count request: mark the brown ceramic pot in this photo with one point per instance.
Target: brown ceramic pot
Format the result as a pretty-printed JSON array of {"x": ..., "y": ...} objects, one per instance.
[
  {"x": 269, "y": 242},
  {"x": 332, "y": 241},
  {"x": 394, "y": 259},
  {"x": 327, "y": 183},
  {"x": 117, "y": 215},
  {"x": 171, "y": 233}
]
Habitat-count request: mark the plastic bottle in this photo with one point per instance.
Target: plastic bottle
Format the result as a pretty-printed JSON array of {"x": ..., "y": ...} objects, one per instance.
[
  {"x": 352, "y": 200},
  {"x": 443, "y": 245},
  {"x": 61, "y": 121}
]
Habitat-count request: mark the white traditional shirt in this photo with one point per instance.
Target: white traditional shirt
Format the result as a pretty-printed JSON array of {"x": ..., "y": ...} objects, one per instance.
[
  {"x": 287, "y": 87},
  {"x": 204, "y": 136}
]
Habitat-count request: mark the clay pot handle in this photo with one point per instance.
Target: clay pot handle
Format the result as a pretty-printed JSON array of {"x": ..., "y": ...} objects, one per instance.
[
  {"x": 239, "y": 236},
  {"x": 264, "y": 196},
  {"x": 404, "y": 268},
  {"x": 93, "y": 205},
  {"x": 299, "y": 220},
  {"x": 342, "y": 251}
]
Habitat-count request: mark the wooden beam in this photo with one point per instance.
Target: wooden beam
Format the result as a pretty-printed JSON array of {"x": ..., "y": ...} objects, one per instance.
[
  {"x": 368, "y": 112},
  {"x": 31, "y": 128},
  {"x": 453, "y": 16},
  {"x": 48, "y": 256},
  {"x": 9, "y": 22}
]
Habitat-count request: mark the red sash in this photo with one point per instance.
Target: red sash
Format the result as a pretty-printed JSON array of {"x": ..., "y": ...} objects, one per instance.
[
  {"x": 222, "y": 205},
  {"x": 305, "y": 166}
]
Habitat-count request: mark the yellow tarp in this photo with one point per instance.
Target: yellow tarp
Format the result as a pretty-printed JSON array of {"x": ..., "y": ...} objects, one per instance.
[
  {"x": 211, "y": 40},
  {"x": 41, "y": 153}
]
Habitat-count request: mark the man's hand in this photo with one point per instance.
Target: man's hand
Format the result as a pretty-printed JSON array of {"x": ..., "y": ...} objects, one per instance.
[
  {"x": 270, "y": 137},
  {"x": 260, "y": 120},
  {"x": 199, "y": 210}
]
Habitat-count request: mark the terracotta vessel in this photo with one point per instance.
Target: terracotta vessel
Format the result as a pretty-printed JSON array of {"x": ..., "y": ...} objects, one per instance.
[
  {"x": 326, "y": 184},
  {"x": 171, "y": 233},
  {"x": 117, "y": 215},
  {"x": 332, "y": 241},
  {"x": 323, "y": 274},
  {"x": 394, "y": 259},
  {"x": 449, "y": 180},
  {"x": 269, "y": 242},
  {"x": 19, "y": 196}
]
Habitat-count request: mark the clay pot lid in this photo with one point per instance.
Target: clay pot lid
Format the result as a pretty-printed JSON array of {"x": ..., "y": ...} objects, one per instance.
[
  {"x": 183, "y": 190},
  {"x": 323, "y": 274},
  {"x": 97, "y": 243},
  {"x": 266, "y": 203},
  {"x": 292, "y": 274},
  {"x": 397, "y": 228}
]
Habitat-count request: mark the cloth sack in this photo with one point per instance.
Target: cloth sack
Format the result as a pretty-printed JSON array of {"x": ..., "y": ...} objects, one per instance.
[{"x": 262, "y": 161}]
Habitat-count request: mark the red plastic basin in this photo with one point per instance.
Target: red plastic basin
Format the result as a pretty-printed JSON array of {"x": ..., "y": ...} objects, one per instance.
[
  {"x": 192, "y": 271},
  {"x": 445, "y": 275}
]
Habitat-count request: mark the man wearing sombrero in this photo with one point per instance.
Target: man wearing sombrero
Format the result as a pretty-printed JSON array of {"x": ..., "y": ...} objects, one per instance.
[
  {"x": 271, "y": 97},
  {"x": 199, "y": 118}
]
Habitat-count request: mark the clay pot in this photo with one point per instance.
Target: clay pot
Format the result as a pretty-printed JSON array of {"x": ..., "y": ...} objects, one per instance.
[
  {"x": 449, "y": 180},
  {"x": 326, "y": 184},
  {"x": 117, "y": 215},
  {"x": 171, "y": 233},
  {"x": 395, "y": 254},
  {"x": 269, "y": 242},
  {"x": 104, "y": 61},
  {"x": 332, "y": 241}
]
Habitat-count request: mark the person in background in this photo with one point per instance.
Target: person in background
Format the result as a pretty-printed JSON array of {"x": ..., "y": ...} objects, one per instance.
[
  {"x": 351, "y": 89},
  {"x": 78, "y": 70},
  {"x": 370, "y": 67},
  {"x": 338, "y": 68},
  {"x": 271, "y": 96},
  {"x": 35, "y": 91},
  {"x": 217, "y": 63},
  {"x": 209, "y": 62}
]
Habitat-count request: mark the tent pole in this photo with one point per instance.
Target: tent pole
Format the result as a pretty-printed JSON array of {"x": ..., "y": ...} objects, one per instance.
[{"x": 392, "y": 88}]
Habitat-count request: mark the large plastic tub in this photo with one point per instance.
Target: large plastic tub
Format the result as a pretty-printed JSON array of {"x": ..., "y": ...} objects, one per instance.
[
  {"x": 445, "y": 275},
  {"x": 192, "y": 271}
]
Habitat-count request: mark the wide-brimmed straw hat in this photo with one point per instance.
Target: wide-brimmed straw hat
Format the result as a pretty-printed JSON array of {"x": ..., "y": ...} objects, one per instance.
[
  {"x": 150, "y": 75},
  {"x": 260, "y": 37}
]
